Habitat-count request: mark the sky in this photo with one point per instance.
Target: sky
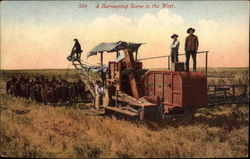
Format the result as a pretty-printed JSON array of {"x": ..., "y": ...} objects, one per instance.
[{"x": 39, "y": 34}]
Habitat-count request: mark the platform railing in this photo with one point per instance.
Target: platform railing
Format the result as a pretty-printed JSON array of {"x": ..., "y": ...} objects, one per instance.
[{"x": 169, "y": 58}]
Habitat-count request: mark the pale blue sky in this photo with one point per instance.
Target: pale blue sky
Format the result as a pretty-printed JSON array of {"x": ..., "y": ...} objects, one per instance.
[
  {"x": 41, "y": 31},
  {"x": 68, "y": 13}
]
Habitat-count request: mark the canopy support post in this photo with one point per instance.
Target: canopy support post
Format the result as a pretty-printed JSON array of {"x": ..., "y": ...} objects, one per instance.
[
  {"x": 117, "y": 54},
  {"x": 101, "y": 58},
  {"x": 136, "y": 55}
]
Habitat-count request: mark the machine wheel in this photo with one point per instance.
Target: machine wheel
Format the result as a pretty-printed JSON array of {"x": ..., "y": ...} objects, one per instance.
[
  {"x": 154, "y": 113},
  {"x": 159, "y": 112}
]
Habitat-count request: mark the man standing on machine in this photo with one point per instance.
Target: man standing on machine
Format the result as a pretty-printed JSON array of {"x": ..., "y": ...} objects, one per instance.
[
  {"x": 191, "y": 47},
  {"x": 174, "y": 49}
]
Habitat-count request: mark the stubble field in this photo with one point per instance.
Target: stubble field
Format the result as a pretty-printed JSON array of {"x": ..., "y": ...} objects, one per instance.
[{"x": 28, "y": 129}]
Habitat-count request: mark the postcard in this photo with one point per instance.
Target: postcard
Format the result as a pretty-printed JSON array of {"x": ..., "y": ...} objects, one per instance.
[{"x": 124, "y": 79}]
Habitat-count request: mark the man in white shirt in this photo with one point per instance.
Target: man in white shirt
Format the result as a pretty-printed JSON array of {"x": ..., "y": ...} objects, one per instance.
[
  {"x": 174, "y": 48},
  {"x": 120, "y": 57},
  {"x": 99, "y": 92}
]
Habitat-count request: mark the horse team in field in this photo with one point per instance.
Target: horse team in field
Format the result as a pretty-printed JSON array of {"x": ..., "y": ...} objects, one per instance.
[{"x": 46, "y": 90}]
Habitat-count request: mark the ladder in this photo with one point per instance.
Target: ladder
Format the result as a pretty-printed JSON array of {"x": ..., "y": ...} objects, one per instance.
[{"x": 86, "y": 77}]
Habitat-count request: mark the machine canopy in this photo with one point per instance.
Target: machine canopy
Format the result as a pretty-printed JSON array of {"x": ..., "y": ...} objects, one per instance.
[{"x": 114, "y": 47}]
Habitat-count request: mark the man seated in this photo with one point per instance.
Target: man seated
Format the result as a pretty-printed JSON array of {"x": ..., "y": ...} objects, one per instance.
[
  {"x": 120, "y": 57},
  {"x": 75, "y": 50}
]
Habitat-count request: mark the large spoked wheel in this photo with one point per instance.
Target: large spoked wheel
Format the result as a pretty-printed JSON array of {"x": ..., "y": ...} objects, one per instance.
[{"x": 154, "y": 113}]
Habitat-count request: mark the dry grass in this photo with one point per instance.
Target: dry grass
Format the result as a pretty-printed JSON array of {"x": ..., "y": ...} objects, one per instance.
[{"x": 32, "y": 130}]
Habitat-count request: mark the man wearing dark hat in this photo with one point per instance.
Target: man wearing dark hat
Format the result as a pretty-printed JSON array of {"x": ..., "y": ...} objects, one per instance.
[
  {"x": 174, "y": 48},
  {"x": 191, "y": 47},
  {"x": 76, "y": 50}
]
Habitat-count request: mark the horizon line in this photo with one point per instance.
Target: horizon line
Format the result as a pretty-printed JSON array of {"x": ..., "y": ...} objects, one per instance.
[{"x": 142, "y": 68}]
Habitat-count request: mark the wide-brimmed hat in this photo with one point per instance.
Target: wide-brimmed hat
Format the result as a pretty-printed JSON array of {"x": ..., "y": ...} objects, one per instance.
[
  {"x": 174, "y": 36},
  {"x": 190, "y": 29}
]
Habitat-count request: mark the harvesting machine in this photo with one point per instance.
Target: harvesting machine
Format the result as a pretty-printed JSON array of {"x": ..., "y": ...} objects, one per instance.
[{"x": 137, "y": 92}]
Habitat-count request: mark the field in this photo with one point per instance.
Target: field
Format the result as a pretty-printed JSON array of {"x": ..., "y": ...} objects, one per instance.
[{"x": 28, "y": 129}]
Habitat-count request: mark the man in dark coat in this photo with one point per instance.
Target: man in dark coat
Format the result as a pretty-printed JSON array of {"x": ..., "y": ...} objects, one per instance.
[
  {"x": 191, "y": 47},
  {"x": 76, "y": 50}
]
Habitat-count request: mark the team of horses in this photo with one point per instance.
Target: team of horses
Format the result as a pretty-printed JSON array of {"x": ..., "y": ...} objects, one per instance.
[{"x": 46, "y": 90}]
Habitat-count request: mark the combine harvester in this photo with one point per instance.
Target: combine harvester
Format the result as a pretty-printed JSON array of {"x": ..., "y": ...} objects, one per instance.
[{"x": 140, "y": 93}]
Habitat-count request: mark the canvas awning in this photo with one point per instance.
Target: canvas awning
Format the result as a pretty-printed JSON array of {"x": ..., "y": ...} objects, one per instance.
[{"x": 114, "y": 47}]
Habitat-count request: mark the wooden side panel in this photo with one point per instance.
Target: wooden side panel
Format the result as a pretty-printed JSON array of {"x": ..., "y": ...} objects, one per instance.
[
  {"x": 168, "y": 88},
  {"x": 150, "y": 85},
  {"x": 176, "y": 90},
  {"x": 159, "y": 85}
]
